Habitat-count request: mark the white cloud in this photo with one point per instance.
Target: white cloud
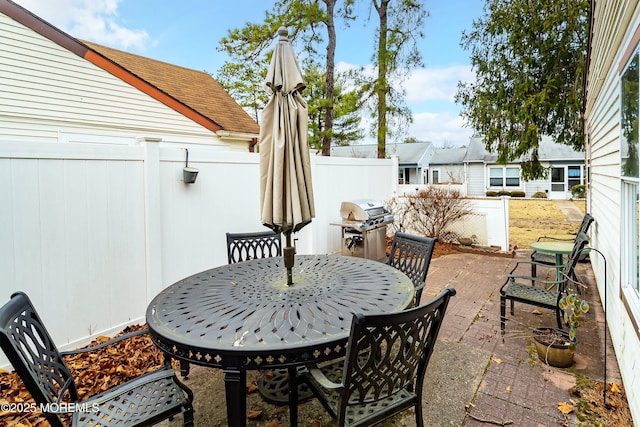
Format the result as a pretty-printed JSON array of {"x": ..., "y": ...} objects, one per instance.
[
  {"x": 440, "y": 128},
  {"x": 436, "y": 83},
  {"x": 342, "y": 67},
  {"x": 429, "y": 89},
  {"x": 94, "y": 20}
]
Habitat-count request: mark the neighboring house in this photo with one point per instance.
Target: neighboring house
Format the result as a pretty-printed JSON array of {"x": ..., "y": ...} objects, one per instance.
[
  {"x": 476, "y": 169},
  {"x": 483, "y": 173},
  {"x": 447, "y": 166},
  {"x": 59, "y": 89},
  {"x": 413, "y": 158},
  {"x": 611, "y": 118}
]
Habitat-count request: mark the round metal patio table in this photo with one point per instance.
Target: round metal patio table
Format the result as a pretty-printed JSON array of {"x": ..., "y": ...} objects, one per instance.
[
  {"x": 559, "y": 248},
  {"x": 243, "y": 316}
]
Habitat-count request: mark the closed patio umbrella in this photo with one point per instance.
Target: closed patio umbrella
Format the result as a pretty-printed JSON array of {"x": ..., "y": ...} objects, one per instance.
[{"x": 285, "y": 168}]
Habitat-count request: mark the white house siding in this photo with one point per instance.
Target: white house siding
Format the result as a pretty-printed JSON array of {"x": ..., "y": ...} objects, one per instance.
[
  {"x": 45, "y": 88},
  {"x": 476, "y": 185},
  {"x": 534, "y": 186},
  {"x": 447, "y": 173},
  {"x": 614, "y": 25}
]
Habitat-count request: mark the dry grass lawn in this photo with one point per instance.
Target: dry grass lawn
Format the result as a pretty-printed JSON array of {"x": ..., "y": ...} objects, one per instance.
[{"x": 529, "y": 219}]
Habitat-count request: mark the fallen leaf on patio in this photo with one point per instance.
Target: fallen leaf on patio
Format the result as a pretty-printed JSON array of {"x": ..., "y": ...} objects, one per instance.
[
  {"x": 509, "y": 389},
  {"x": 269, "y": 375},
  {"x": 497, "y": 360},
  {"x": 253, "y": 414},
  {"x": 536, "y": 311},
  {"x": 316, "y": 423},
  {"x": 565, "y": 408},
  {"x": 273, "y": 423},
  {"x": 615, "y": 388},
  {"x": 251, "y": 388}
]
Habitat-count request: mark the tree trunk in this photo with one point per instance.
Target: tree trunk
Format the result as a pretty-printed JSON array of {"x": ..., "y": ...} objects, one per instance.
[
  {"x": 331, "y": 53},
  {"x": 381, "y": 84}
]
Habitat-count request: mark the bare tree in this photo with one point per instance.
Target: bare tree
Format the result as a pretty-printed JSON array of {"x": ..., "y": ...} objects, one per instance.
[{"x": 433, "y": 210}]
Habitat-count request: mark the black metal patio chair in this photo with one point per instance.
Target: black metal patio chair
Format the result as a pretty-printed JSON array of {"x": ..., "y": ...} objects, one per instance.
[
  {"x": 384, "y": 368},
  {"x": 143, "y": 401},
  {"x": 412, "y": 254},
  {"x": 538, "y": 290},
  {"x": 246, "y": 246},
  {"x": 550, "y": 259}
]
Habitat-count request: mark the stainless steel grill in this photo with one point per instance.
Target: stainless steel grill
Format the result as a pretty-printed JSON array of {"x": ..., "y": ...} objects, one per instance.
[{"x": 364, "y": 228}]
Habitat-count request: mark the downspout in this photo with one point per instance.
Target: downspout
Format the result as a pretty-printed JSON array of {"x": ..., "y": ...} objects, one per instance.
[
  {"x": 587, "y": 140},
  {"x": 587, "y": 162},
  {"x": 588, "y": 60}
]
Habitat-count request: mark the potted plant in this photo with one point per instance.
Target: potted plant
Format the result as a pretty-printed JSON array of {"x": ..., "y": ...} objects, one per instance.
[{"x": 556, "y": 347}]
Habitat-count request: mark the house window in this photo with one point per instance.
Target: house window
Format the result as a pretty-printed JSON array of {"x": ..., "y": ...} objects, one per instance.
[
  {"x": 436, "y": 177},
  {"x": 574, "y": 174},
  {"x": 403, "y": 177},
  {"x": 630, "y": 170},
  {"x": 504, "y": 177},
  {"x": 513, "y": 177}
]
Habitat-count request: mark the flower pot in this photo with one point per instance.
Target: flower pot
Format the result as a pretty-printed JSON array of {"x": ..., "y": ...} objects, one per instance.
[
  {"x": 554, "y": 347},
  {"x": 189, "y": 175}
]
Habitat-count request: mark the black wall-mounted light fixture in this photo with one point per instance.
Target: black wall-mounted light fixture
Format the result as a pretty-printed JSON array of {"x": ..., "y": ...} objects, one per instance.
[{"x": 189, "y": 175}]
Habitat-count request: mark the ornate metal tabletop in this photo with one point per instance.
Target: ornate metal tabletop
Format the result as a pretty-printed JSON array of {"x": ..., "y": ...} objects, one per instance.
[
  {"x": 246, "y": 309},
  {"x": 243, "y": 316}
]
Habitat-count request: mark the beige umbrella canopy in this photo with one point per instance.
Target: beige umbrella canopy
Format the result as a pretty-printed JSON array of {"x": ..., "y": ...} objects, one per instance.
[{"x": 286, "y": 194}]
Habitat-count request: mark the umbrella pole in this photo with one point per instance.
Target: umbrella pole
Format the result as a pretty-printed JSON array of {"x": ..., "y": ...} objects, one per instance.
[{"x": 289, "y": 253}]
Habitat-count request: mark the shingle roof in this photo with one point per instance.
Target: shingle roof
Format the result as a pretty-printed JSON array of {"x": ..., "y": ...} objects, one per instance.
[
  {"x": 195, "y": 89},
  {"x": 547, "y": 151},
  {"x": 448, "y": 156},
  {"x": 408, "y": 153}
]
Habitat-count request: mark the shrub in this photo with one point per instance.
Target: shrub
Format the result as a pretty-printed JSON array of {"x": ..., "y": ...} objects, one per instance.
[
  {"x": 401, "y": 214},
  {"x": 577, "y": 191},
  {"x": 491, "y": 194},
  {"x": 539, "y": 195},
  {"x": 434, "y": 209},
  {"x": 517, "y": 194},
  {"x": 504, "y": 193}
]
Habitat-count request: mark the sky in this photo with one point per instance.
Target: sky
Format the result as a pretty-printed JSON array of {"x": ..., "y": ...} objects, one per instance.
[{"x": 187, "y": 33}]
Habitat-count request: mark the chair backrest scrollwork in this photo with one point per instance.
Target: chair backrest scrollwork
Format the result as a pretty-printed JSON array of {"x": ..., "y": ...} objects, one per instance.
[
  {"x": 581, "y": 241},
  {"x": 390, "y": 352},
  {"x": 412, "y": 254},
  {"x": 33, "y": 354},
  {"x": 246, "y": 246}
]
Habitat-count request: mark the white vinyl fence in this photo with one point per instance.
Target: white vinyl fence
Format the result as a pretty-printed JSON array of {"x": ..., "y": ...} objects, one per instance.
[
  {"x": 92, "y": 232},
  {"x": 488, "y": 225}
]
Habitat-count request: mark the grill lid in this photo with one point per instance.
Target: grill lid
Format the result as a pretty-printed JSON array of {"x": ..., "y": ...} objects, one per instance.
[{"x": 366, "y": 210}]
